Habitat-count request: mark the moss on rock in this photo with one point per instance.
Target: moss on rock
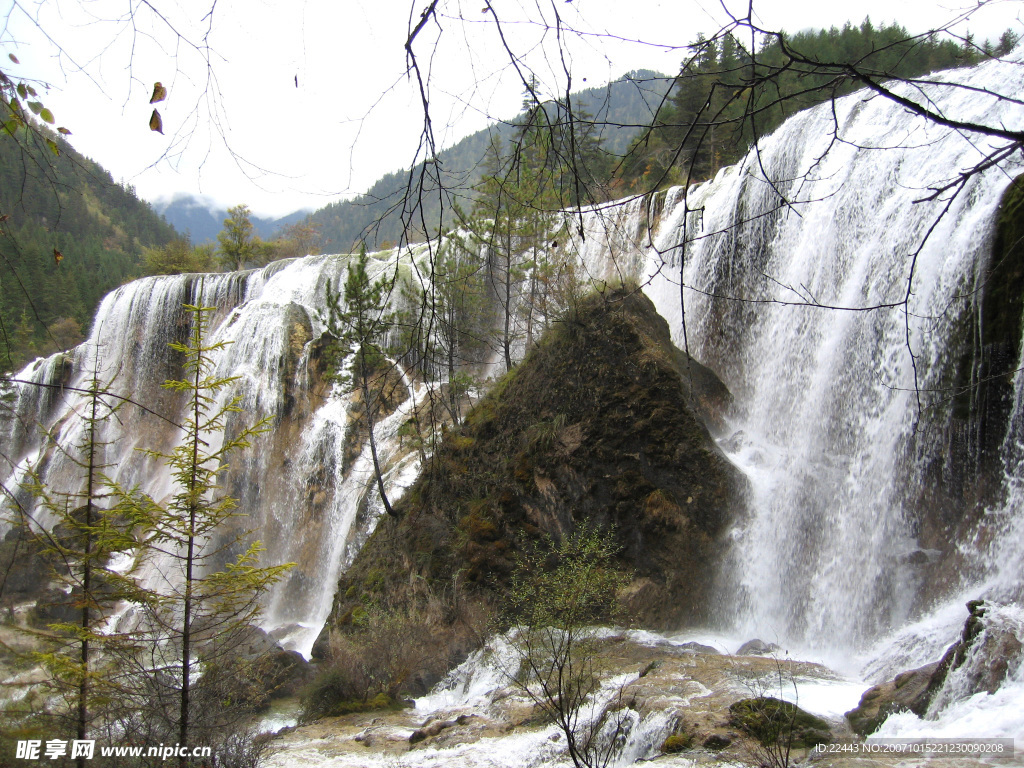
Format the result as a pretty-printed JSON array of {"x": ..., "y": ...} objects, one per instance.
[
  {"x": 773, "y": 721},
  {"x": 599, "y": 425}
]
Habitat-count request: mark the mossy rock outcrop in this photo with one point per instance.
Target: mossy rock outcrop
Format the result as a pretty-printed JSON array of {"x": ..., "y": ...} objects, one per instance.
[
  {"x": 603, "y": 424},
  {"x": 773, "y": 721}
]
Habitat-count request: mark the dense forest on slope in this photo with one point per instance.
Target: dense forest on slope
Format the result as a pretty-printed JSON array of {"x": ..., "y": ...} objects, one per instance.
[
  {"x": 68, "y": 234},
  {"x": 724, "y": 98}
]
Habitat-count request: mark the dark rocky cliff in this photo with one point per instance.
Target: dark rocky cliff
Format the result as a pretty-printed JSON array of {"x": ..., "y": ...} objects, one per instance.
[
  {"x": 602, "y": 424},
  {"x": 964, "y": 479}
]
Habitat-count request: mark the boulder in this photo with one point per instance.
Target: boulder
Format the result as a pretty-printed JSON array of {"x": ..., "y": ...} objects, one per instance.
[
  {"x": 54, "y": 606},
  {"x": 979, "y": 661},
  {"x": 285, "y": 672},
  {"x": 253, "y": 643},
  {"x": 716, "y": 742},
  {"x": 909, "y": 691},
  {"x": 700, "y": 648},
  {"x": 757, "y": 647},
  {"x": 430, "y": 730},
  {"x": 773, "y": 721}
]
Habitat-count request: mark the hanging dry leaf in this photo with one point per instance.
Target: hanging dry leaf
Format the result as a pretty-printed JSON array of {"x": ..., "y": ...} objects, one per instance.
[
  {"x": 155, "y": 123},
  {"x": 57, "y": 257},
  {"x": 159, "y": 93}
]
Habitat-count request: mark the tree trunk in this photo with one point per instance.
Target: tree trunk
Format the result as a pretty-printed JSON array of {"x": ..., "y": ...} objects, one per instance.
[{"x": 364, "y": 377}]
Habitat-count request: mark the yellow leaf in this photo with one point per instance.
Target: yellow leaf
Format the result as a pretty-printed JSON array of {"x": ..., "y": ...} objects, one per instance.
[
  {"x": 155, "y": 123},
  {"x": 57, "y": 256},
  {"x": 159, "y": 93}
]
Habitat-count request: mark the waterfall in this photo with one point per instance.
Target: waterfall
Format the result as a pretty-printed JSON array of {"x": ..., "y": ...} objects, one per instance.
[
  {"x": 826, "y": 421},
  {"x": 794, "y": 266},
  {"x": 297, "y": 495}
]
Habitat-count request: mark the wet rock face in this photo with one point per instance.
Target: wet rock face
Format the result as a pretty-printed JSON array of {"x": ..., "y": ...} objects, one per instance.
[
  {"x": 908, "y": 691},
  {"x": 987, "y": 651},
  {"x": 981, "y": 660},
  {"x": 966, "y": 476}
]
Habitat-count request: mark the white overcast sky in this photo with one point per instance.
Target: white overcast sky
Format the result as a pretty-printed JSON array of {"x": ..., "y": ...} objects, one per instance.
[{"x": 239, "y": 130}]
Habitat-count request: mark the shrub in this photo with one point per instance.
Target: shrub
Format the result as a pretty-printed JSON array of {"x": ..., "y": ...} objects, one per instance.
[{"x": 678, "y": 742}]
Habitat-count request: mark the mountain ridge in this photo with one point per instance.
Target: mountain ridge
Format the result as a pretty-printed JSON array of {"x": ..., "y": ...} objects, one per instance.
[{"x": 620, "y": 109}]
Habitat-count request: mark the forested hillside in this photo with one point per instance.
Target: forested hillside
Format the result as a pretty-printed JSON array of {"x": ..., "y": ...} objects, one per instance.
[
  {"x": 68, "y": 234},
  {"x": 654, "y": 131},
  {"x": 724, "y": 98},
  {"x": 616, "y": 111}
]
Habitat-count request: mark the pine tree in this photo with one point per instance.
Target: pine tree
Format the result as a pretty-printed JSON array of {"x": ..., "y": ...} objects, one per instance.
[
  {"x": 462, "y": 315},
  {"x": 193, "y": 620},
  {"x": 84, "y": 536},
  {"x": 496, "y": 212},
  {"x": 360, "y": 324}
]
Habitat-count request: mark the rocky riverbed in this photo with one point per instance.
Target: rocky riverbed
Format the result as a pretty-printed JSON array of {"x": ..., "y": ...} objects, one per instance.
[{"x": 664, "y": 687}]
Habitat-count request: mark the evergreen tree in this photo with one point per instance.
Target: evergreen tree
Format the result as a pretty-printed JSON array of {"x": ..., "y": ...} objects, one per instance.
[
  {"x": 462, "y": 316},
  {"x": 212, "y": 584},
  {"x": 359, "y": 323},
  {"x": 725, "y": 97},
  {"x": 496, "y": 215},
  {"x": 84, "y": 536}
]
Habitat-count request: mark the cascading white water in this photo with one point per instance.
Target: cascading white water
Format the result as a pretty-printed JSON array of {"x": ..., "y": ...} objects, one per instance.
[
  {"x": 825, "y": 425},
  {"x": 297, "y": 497},
  {"x": 826, "y": 418}
]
